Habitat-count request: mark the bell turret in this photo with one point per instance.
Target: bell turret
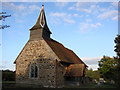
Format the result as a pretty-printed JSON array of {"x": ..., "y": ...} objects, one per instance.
[{"x": 40, "y": 29}]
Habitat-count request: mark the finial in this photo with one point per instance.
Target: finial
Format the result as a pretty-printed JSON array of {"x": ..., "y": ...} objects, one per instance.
[{"x": 42, "y": 6}]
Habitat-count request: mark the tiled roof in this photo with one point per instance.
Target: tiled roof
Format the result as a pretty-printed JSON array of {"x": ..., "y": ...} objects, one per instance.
[
  {"x": 75, "y": 70},
  {"x": 64, "y": 54}
]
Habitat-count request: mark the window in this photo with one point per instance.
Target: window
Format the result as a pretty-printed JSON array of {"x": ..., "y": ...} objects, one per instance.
[{"x": 34, "y": 71}]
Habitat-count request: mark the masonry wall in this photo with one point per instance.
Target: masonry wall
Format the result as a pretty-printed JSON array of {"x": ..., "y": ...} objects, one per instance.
[
  {"x": 60, "y": 71},
  {"x": 40, "y": 53}
]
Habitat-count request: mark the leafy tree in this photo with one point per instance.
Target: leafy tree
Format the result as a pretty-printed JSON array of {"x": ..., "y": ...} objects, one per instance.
[
  {"x": 8, "y": 75},
  {"x": 2, "y": 17},
  {"x": 117, "y": 47},
  {"x": 117, "y": 50},
  {"x": 107, "y": 68},
  {"x": 93, "y": 74}
]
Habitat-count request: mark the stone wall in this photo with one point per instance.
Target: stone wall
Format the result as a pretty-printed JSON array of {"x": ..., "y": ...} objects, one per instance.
[
  {"x": 40, "y": 53},
  {"x": 60, "y": 71}
]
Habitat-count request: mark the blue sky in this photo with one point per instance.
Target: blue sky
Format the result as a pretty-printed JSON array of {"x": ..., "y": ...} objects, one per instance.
[{"x": 89, "y": 29}]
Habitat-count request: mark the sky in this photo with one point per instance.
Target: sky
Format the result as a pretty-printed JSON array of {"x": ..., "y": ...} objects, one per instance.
[{"x": 89, "y": 29}]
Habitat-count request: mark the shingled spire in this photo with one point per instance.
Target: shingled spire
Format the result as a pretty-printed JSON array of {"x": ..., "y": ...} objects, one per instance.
[{"x": 40, "y": 29}]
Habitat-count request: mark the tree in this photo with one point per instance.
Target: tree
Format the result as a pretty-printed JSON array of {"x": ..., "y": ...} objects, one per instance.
[
  {"x": 117, "y": 50},
  {"x": 93, "y": 74},
  {"x": 2, "y": 17},
  {"x": 8, "y": 75},
  {"x": 117, "y": 47},
  {"x": 107, "y": 68}
]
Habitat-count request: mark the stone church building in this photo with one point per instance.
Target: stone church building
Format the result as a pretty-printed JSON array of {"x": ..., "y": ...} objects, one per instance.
[{"x": 46, "y": 62}]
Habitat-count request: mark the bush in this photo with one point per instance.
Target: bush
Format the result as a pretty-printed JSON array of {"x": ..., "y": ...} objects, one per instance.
[{"x": 8, "y": 75}]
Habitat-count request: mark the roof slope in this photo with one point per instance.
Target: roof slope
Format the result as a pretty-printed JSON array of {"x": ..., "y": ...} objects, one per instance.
[
  {"x": 64, "y": 54},
  {"x": 75, "y": 70}
]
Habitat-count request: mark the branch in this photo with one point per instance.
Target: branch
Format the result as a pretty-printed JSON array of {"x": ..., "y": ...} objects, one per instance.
[
  {"x": 2, "y": 12},
  {"x": 4, "y": 16},
  {"x": 4, "y": 26}
]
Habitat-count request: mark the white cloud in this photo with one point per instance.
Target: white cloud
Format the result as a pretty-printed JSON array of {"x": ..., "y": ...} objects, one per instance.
[
  {"x": 85, "y": 7},
  {"x": 94, "y": 67},
  {"x": 91, "y": 9},
  {"x": 6, "y": 0},
  {"x": 13, "y": 7},
  {"x": 20, "y": 9},
  {"x": 57, "y": 14},
  {"x": 92, "y": 62},
  {"x": 20, "y": 0},
  {"x": 91, "y": 58},
  {"x": 87, "y": 15},
  {"x": 71, "y": 8},
  {"x": 88, "y": 20},
  {"x": 61, "y": 4},
  {"x": 80, "y": 6},
  {"x": 86, "y": 26},
  {"x": 67, "y": 18},
  {"x": 114, "y": 4},
  {"x": 96, "y": 25},
  {"x": 95, "y": 9},
  {"x": 76, "y": 15},
  {"x": 34, "y": 7},
  {"x": 115, "y": 18},
  {"x": 108, "y": 14},
  {"x": 16, "y": 9}
]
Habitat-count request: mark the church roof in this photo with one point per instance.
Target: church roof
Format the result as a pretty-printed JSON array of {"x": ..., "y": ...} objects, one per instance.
[
  {"x": 64, "y": 54},
  {"x": 75, "y": 70},
  {"x": 41, "y": 21}
]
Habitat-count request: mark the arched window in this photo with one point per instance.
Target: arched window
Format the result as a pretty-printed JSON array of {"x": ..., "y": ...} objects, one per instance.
[{"x": 34, "y": 71}]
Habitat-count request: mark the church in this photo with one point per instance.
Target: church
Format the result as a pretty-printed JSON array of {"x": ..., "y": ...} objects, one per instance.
[{"x": 46, "y": 62}]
